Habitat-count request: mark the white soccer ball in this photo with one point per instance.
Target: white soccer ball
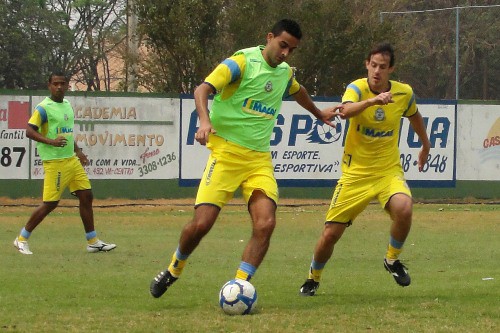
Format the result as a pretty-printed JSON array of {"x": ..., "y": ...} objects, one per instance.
[{"x": 237, "y": 297}]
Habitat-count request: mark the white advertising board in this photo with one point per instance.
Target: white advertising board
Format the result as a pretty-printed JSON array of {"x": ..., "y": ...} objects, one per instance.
[
  {"x": 479, "y": 142},
  {"x": 124, "y": 137},
  {"x": 14, "y": 146},
  {"x": 308, "y": 153}
]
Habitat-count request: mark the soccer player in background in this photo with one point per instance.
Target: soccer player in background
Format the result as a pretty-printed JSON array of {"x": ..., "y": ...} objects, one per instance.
[
  {"x": 371, "y": 167},
  {"x": 249, "y": 88},
  {"x": 51, "y": 126}
]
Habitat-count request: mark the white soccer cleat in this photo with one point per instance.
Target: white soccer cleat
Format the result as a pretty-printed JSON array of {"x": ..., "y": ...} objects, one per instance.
[
  {"x": 100, "y": 246},
  {"x": 22, "y": 247}
]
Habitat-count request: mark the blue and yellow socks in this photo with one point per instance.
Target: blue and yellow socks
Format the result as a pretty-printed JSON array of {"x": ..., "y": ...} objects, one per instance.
[
  {"x": 315, "y": 270},
  {"x": 91, "y": 237},
  {"x": 24, "y": 235},
  {"x": 177, "y": 264},
  {"x": 245, "y": 271},
  {"x": 393, "y": 250}
]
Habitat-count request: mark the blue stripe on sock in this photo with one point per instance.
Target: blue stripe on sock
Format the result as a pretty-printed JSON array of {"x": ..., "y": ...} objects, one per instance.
[
  {"x": 181, "y": 256},
  {"x": 396, "y": 244},
  {"x": 317, "y": 265},
  {"x": 25, "y": 233},
  {"x": 247, "y": 268},
  {"x": 91, "y": 234}
]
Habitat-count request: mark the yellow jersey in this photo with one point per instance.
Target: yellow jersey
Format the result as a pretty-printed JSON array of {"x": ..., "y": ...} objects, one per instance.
[{"x": 372, "y": 141}]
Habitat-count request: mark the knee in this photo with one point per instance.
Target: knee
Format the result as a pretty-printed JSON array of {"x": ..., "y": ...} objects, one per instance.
[
  {"x": 200, "y": 227},
  {"x": 86, "y": 197},
  {"x": 405, "y": 211},
  {"x": 400, "y": 208},
  {"x": 332, "y": 233},
  {"x": 50, "y": 206},
  {"x": 265, "y": 226}
]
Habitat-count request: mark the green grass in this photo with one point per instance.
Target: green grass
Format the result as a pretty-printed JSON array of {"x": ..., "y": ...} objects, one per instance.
[{"x": 61, "y": 288}]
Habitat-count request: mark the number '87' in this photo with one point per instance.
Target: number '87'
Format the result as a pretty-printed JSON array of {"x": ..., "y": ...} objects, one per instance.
[{"x": 7, "y": 152}]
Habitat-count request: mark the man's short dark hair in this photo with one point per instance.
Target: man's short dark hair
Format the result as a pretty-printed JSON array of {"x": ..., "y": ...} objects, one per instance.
[
  {"x": 290, "y": 26},
  {"x": 383, "y": 48},
  {"x": 57, "y": 73}
]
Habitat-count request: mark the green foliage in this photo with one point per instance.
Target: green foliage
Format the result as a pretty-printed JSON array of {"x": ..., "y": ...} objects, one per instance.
[
  {"x": 185, "y": 39},
  {"x": 41, "y": 36},
  {"x": 33, "y": 35},
  {"x": 451, "y": 252},
  {"x": 426, "y": 45},
  {"x": 181, "y": 35}
]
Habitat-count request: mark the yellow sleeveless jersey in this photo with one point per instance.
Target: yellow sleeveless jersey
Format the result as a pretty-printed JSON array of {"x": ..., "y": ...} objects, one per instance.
[{"x": 249, "y": 97}]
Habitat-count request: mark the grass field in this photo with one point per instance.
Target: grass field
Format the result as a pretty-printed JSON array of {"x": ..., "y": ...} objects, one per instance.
[{"x": 453, "y": 255}]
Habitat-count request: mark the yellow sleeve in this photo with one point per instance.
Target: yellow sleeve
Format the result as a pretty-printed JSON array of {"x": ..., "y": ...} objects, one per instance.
[
  {"x": 294, "y": 86},
  {"x": 227, "y": 72},
  {"x": 352, "y": 93},
  {"x": 36, "y": 119},
  {"x": 412, "y": 106}
]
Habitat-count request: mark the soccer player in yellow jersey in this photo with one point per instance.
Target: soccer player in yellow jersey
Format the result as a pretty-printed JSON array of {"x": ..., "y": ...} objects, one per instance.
[
  {"x": 51, "y": 126},
  {"x": 371, "y": 167},
  {"x": 249, "y": 88}
]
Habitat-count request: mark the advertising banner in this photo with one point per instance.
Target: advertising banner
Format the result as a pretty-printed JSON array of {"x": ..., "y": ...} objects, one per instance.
[
  {"x": 124, "y": 137},
  {"x": 479, "y": 142},
  {"x": 14, "y": 146},
  {"x": 306, "y": 152}
]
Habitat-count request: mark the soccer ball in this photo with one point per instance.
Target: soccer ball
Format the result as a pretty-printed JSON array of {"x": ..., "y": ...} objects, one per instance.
[{"x": 237, "y": 297}]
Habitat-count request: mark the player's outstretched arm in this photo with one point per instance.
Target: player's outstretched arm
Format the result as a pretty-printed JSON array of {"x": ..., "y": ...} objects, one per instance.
[
  {"x": 352, "y": 109},
  {"x": 327, "y": 115}
]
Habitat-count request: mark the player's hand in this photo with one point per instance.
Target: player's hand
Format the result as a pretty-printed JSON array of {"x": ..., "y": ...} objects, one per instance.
[
  {"x": 203, "y": 133},
  {"x": 82, "y": 157},
  {"x": 60, "y": 141},
  {"x": 383, "y": 98},
  {"x": 330, "y": 114},
  {"x": 422, "y": 157}
]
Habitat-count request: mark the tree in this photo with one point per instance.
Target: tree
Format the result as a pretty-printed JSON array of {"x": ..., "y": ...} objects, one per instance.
[
  {"x": 97, "y": 28},
  {"x": 182, "y": 42},
  {"x": 187, "y": 38},
  {"x": 426, "y": 41},
  {"x": 29, "y": 37},
  {"x": 72, "y": 35}
]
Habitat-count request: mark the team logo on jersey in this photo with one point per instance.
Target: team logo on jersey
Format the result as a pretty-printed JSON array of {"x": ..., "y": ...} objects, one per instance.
[
  {"x": 258, "y": 108},
  {"x": 379, "y": 114},
  {"x": 65, "y": 117},
  {"x": 269, "y": 86}
]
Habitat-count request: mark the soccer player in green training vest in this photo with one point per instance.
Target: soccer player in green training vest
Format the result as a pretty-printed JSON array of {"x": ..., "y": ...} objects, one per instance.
[
  {"x": 371, "y": 166},
  {"x": 249, "y": 88},
  {"x": 51, "y": 126}
]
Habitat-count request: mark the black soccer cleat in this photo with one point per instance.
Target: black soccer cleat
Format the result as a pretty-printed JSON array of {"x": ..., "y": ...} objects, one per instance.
[
  {"x": 309, "y": 288},
  {"x": 161, "y": 282},
  {"x": 399, "y": 272}
]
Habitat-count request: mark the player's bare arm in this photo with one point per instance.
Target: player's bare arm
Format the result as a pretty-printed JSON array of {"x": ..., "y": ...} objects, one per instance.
[
  {"x": 81, "y": 156},
  {"x": 417, "y": 123},
  {"x": 201, "y": 101},
  {"x": 33, "y": 134},
  {"x": 352, "y": 109},
  {"x": 327, "y": 115}
]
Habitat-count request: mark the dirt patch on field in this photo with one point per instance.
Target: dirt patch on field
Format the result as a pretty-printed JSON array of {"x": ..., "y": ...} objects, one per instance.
[
  {"x": 138, "y": 204},
  {"x": 188, "y": 203}
]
